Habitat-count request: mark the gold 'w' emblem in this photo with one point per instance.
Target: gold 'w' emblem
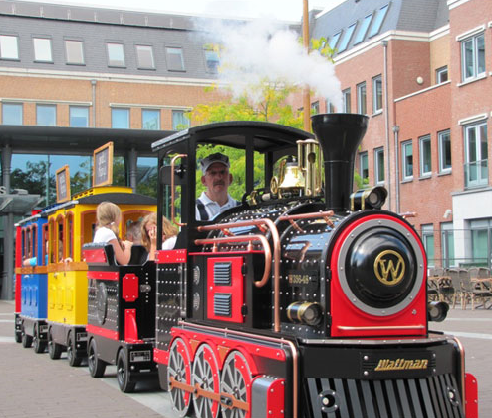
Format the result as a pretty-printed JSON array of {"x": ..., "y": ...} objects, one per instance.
[{"x": 389, "y": 267}]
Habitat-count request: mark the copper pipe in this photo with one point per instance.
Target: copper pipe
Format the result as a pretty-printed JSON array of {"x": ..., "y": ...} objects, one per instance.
[
  {"x": 290, "y": 344},
  {"x": 462, "y": 377},
  {"x": 310, "y": 215},
  {"x": 249, "y": 238},
  {"x": 172, "y": 189},
  {"x": 276, "y": 257}
]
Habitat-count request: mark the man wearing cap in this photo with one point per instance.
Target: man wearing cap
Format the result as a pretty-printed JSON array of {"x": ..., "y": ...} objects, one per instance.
[{"x": 216, "y": 178}]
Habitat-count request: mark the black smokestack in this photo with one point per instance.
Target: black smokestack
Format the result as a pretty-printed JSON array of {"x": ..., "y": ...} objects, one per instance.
[{"x": 339, "y": 135}]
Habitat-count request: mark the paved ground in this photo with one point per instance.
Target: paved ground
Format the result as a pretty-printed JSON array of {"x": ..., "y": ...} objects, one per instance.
[{"x": 32, "y": 385}]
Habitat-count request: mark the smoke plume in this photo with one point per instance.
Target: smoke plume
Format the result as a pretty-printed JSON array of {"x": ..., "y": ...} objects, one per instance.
[{"x": 262, "y": 50}]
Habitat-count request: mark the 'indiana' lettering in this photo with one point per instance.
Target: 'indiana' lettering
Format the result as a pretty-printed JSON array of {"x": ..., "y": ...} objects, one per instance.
[{"x": 386, "y": 365}]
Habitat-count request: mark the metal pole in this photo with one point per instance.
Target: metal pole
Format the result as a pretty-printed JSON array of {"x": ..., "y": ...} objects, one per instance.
[
  {"x": 132, "y": 169},
  {"x": 8, "y": 230},
  {"x": 396, "y": 129},
  {"x": 306, "y": 99},
  {"x": 386, "y": 120},
  {"x": 94, "y": 83}
]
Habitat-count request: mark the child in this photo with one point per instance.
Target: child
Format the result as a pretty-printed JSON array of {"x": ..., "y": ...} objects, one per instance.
[
  {"x": 149, "y": 234},
  {"x": 108, "y": 219}
]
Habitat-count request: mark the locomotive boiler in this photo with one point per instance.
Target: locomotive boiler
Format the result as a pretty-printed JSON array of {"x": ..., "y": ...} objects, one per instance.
[{"x": 307, "y": 300}]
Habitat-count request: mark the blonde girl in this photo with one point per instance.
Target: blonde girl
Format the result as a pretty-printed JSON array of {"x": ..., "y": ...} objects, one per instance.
[
  {"x": 149, "y": 234},
  {"x": 108, "y": 220}
]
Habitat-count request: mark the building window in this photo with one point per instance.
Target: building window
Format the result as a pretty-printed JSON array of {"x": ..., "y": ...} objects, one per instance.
[
  {"x": 315, "y": 108},
  {"x": 145, "y": 57},
  {"x": 378, "y": 21},
  {"x": 428, "y": 241},
  {"x": 447, "y": 244},
  {"x": 9, "y": 49},
  {"x": 151, "y": 119},
  {"x": 473, "y": 57},
  {"x": 364, "y": 168},
  {"x": 361, "y": 34},
  {"x": 425, "y": 156},
  {"x": 361, "y": 98},
  {"x": 120, "y": 118},
  {"x": 79, "y": 116},
  {"x": 481, "y": 233},
  {"x": 379, "y": 165},
  {"x": 476, "y": 165},
  {"x": 347, "y": 36},
  {"x": 116, "y": 54},
  {"x": 180, "y": 121},
  {"x": 334, "y": 40},
  {"x": 444, "y": 139},
  {"x": 347, "y": 98},
  {"x": 407, "y": 160},
  {"x": 212, "y": 61},
  {"x": 377, "y": 94},
  {"x": 75, "y": 52},
  {"x": 42, "y": 50},
  {"x": 46, "y": 115},
  {"x": 12, "y": 114},
  {"x": 174, "y": 58},
  {"x": 330, "y": 108},
  {"x": 442, "y": 74}
]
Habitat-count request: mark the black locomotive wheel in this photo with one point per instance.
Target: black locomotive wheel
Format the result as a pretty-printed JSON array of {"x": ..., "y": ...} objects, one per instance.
[
  {"x": 54, "y": 349},
  {"x": 26, "y": 339},
  {"x": 206, "y": 376},
  {"x": 97, "y": 367},
  {"x": 73, "y": 359},
  {"x": 235, "y": 379},
  {"x": 179, "y": 370},
  {"x": 123, "y": 373},
  {"x": 38, "y": 345}
]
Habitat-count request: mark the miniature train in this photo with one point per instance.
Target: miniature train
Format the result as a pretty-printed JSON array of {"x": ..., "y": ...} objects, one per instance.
[{"x": 306, "y": 300}]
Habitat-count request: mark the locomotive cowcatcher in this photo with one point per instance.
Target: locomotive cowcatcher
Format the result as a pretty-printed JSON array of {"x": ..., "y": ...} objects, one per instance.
[{"x": 307, "y": 300}]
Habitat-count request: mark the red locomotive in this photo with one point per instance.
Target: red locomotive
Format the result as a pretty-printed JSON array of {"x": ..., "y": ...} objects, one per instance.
[{"x": 307, "y": 300}]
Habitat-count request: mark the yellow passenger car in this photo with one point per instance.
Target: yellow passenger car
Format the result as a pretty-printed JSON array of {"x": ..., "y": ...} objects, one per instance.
[{"x": 70, "y": 226}]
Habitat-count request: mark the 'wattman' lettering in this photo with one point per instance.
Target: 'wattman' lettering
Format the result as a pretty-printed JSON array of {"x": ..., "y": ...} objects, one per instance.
[{"x": 401, "y": 364}]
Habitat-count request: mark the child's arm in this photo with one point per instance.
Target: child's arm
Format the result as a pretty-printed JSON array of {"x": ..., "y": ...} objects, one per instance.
[{"x": 122, "y": 256}]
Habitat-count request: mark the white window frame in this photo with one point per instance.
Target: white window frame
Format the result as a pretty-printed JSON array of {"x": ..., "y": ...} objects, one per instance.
[
  {"x": 364, "y": 160},
  {"x": 441, "y": 137},
  {"x": 172, "y": 51},
  {"x": 404, "y": 163},
  {"x": 347, "y": 100},
  {"x": 425, "y": 147},
  {"x": 112, "y": 60},
  {"x": 70, "y": 57},
  {"x": 120, "y": 110},
  {"x": 9, "y": 47},
  {"x": 334, "y": 40},
  {"x": 427, "y": 231},
  {"x": 439, "y": 74},
  {"x": 377, "y": 94},
  {"x": 476, "y": 73},
  {"x": 158, "y": 118},
  {"x": 16, "y": 106},
  {"x": 480, "y": 160},
  {"x": 362, "y": 104},
  {"x": 43, "y": 50},
  {"x": 181, "y": 113},
  {"x": 378, "y": 176},
  {"x": 144, "y": 53},
  {"x": 378, "y": 20},
  {"x": 347, "y": 36},
  {"x": 45, "y": 106}
]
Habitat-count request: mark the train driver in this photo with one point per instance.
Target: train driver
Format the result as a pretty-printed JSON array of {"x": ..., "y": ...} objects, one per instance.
[{"x": 216, "y": 178}]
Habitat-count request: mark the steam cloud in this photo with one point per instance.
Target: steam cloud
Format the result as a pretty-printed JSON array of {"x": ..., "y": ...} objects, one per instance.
[{"x": 261, "y": 49}]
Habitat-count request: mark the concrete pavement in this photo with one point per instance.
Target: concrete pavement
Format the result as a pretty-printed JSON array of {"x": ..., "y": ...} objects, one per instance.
[{"x": 32, "y": 385}]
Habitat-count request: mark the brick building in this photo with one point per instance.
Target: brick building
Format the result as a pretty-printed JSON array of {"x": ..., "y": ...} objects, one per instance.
[{"x": 421, "y": 71}]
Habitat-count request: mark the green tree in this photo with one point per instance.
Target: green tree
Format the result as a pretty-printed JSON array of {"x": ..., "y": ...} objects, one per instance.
[{"x": 34, "y": 180}]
